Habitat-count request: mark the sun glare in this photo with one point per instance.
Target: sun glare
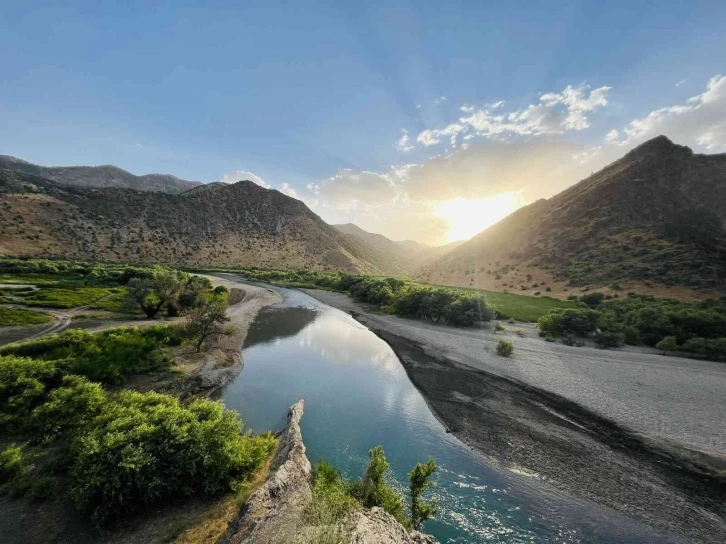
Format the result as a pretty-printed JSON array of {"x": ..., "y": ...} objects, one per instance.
[{"x": 468, "y": 217}]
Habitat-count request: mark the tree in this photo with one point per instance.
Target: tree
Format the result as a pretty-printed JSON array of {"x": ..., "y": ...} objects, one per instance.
[
  {"x": 668, "y": 343},
  {"x": 207, "y": 320},
  {"x": 419, "y": 482},
  {"x": 151, "y": 294},
  {"x": 375, "y": 491}
]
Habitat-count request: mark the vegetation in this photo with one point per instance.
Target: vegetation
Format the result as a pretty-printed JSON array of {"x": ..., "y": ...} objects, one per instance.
[
  {"x": 18, "y": 316},
  {"x": 419, "y": 481},
  {"x": 335, "y": 497},
  {"x": 690, "y": 328},
  {"x": 56, "y": 297},
  {"x": 122, "y": 453},
  {"x": 207, "y": 321},
  {"x": 505, "y": 348},
  {"x": 109, "y": 356}
]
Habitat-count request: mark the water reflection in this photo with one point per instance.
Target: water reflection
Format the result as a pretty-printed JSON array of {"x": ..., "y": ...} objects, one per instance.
[{"x": 357, "y": 395}]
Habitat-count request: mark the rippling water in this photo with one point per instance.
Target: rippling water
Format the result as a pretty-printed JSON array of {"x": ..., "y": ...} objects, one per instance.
[{"x": 357, "y": 395}]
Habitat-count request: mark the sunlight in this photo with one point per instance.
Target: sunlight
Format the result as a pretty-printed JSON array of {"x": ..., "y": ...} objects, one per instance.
[{"x": 467, "y": 218}]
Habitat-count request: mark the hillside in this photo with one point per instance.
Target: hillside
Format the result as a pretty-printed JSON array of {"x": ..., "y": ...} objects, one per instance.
[
  {"x": 99, "y": 176},
  {"x": 239, "y": 224},
  {"x": 412, "y": 254},
  {"x": 654, "y": 217}
]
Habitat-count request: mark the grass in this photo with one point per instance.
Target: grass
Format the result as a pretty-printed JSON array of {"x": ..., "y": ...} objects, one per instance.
[
  {"x": 59, "y": 297},
  {"x": 520, "y": 307},
  {"x": 16, "y": 316},
  {"x": 114, "y": 303}
]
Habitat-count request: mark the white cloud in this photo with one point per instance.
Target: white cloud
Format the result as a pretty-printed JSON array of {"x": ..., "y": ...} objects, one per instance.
[
  {"x": 681, "y": 82},
  {"x": 350, "y": 189},
  {"x": 612, "y": 136},
  {"x": 240, "y": 175},
  {"x": 555, "y": 113},
  {"x": 699, "y": 121},
  {"x": 402, "y": 144},
  {"x": 289, "y": 191}
]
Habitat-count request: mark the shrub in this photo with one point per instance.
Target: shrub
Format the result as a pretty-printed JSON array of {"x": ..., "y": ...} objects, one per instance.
[
  {"x": 11, "y": 463},
  {"x": 69, "y": 407},
  {"x": 146, "y": 448},
  {"x": 570, "y": 321},
  {"x": 593, "y": 300},
  {"x": 373, "y": 490},
  {"x": 17, "y": 316},
  {"x": 331, "y": 501},
  {"x": 669, "y": 343},
  {"x": 24, "y": 385},
  {"x": 498, "y": 327},
  {"x": 505, "y": 349},
  {"x": 418, "y": 483},
  {"x": 609, "y": 339}
]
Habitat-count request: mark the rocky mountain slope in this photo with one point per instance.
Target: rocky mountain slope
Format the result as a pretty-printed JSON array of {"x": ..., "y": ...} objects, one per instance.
[
  {"x": 239, "y": 224},
  {"x": 99, "y": 176},
  {"x": 655, "y": 216},
  {"x": 414, "y": 254}
]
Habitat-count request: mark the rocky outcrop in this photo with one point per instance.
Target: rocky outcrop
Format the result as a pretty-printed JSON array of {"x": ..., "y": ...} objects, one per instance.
[
  {"x": 275, "y": 512},
  {"x": 376, "y": 526}
]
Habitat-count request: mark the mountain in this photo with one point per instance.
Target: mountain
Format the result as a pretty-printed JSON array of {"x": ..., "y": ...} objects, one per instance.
[
  {"x": 99, "y": 176},
  {"x": 414, "y": 254},
  {"x": 239, "y": 224},
  {"x": 655, "y": 216}
]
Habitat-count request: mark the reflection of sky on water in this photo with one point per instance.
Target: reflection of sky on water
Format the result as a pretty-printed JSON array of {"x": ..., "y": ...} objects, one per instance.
[{"x": 357, "y": 395}]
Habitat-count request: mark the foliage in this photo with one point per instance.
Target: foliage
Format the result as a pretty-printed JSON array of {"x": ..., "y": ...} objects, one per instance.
[
  {"x": 669, "y": 343},
  {"x": 418, "y": 483},
  {"x": 575, "y": 321},
  {"x": 146, "y": 448},
  {"x": 109, "y": 356},
  {"x": 498, "y": 327},
  {"x": 11, "y": 463},
  {"x": 69, "y": 408},
  {"x": 505, "y": 348},
  {"x": 207, "y": 321},
  {"x": 24, "y": 384},
  {"x": 56, "y": 297},
  {"x": 373, "y": 490},
  {"x": 331, "y": 501},
  {"x": 17, "y": 316}
]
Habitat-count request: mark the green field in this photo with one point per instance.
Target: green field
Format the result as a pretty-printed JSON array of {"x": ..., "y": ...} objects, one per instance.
[
  {"x": 17, "y": 316},
  {"x": 519, "y": 307},
  {"x": 57, "y": 297}
]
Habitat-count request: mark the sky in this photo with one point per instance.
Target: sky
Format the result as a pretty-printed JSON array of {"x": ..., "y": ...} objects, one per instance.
[{"x": 419, "y": 120}]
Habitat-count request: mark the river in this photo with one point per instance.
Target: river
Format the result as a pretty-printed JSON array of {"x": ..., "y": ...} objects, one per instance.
[{"x": 357, "y": 395}]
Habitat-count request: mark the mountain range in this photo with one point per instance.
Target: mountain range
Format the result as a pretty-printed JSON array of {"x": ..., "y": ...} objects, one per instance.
[{"x": 655, "y": 216}]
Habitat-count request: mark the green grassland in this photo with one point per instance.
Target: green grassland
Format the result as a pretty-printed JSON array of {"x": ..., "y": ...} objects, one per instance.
[
  {"x": 17, "y": 316},
  {"x": 57, "y": 297}
]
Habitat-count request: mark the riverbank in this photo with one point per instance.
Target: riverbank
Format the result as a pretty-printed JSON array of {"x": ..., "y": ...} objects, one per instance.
[{"x": 630, "y": 429}]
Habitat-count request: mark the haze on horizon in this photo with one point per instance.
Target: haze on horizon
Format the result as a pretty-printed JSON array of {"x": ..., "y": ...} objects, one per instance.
[{"x": 404, "y": 120}]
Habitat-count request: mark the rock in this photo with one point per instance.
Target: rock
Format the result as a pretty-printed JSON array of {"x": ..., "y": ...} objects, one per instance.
[
  {"x": 376, "y": 526},
  {"x": 274, "y": 512}
]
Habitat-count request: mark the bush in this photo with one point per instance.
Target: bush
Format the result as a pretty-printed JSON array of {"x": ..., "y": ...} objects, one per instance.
[
  {"x": 373, "y": 490},
  {"x": 571, "y": 321},
  {"x": 669, "y": 343},
  {"x": 609, "y": 339},
  {"x": 418, "y": 483},
  {"x": 146, "y": 448},
  {"x": 70, "y": 407},
  {"x": 505, "y": 348},
  {"x": 11, "y": 463},
  {"x": 24, "y": 385},
  {"x": 109, "y": 356},
  {"x": 331, "y": 501},
  {"x": 498, "y": 327}
]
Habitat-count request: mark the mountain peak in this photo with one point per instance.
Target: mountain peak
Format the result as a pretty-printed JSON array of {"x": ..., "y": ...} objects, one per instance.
[{"x": 658, "y": 145}]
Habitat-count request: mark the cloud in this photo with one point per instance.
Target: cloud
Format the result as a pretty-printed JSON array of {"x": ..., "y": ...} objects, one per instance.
[
  {"x": 681, "y": 82},
  {"x": 239, "y": 175},
  {"x": 554, "y": 113},
  {"x": 289, "y": 191},
  {"x": 351, "y": 189},
  {"x": 698, "y": 122},
  {"x": 402, "y": 144}
]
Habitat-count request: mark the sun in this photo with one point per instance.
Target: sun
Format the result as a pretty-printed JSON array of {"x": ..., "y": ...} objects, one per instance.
[{"x": 468, "y": 217}]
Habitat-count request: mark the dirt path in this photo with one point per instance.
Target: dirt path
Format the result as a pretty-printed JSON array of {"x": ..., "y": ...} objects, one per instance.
[{"x": 619, "y": 427}]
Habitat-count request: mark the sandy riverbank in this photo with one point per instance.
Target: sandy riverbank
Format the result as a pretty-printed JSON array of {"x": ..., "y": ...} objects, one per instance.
[{"x": 631, "y": 429}]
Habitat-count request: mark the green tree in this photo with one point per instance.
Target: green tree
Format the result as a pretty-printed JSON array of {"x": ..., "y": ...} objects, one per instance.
[
  {"x": 207, "y": 321},
  {"x": 669, "y": 343},
  {"x": 151, "y": 294},
  {"x": 419, "y": 482},
  {"x": 375, "y": 491}
]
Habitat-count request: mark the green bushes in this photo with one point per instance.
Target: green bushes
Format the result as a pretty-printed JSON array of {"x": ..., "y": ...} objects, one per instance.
[
  {"x": 126, "y": 452},
  {"x": 505, "y": 348},
  {"x": 697, "y": 328},
  {"x": 110, "y": 356},
  {"x": 17, "y": 316},
  {"x": 11, "y": 463},
  {"x": 419, "y": 482},
  {"x": 53, "y": 297},
  {"x": 146, "y": 448}
]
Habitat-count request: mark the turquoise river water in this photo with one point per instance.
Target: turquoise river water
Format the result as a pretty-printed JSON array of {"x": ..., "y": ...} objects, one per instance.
[{"x": 357, "y": 395}]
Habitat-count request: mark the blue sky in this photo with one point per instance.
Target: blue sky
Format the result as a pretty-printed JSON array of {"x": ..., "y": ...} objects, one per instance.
[{"x": 317, "y": 94}]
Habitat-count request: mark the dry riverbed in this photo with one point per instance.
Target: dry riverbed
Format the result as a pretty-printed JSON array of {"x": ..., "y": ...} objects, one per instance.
[{"x": 642, "y": 433}]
